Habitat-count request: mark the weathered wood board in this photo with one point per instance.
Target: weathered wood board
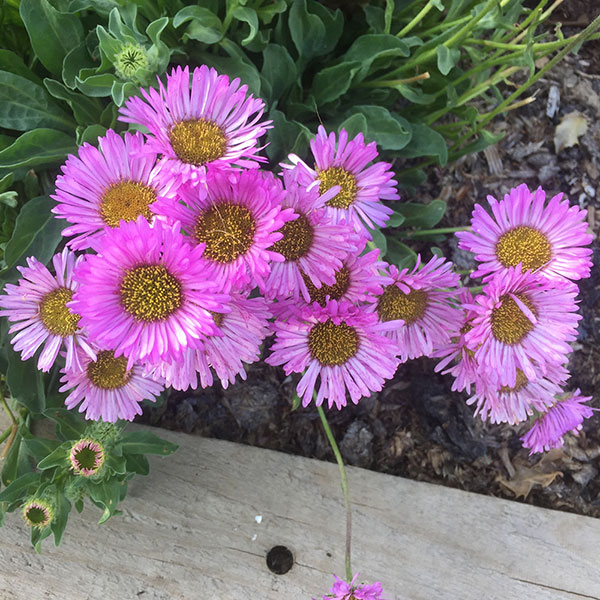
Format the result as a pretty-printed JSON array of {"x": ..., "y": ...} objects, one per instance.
[{"x": 191, "y": 530}]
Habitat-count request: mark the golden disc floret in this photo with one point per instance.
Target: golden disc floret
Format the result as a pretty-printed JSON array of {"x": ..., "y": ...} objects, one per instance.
[
  {"x": 126, "y": 201},
  {"x": 150, "y": 293},
  {"x": 108, "y": 372},
  {"x": 395, "y": 304},
  {"x": 55, "y": 315},
  {"x": 197, "y": 141},
  {"x": 510, "y": 325},
  {"x": 338, "y": 176},
  {"x": 297, "y": 238},
  {"x": 524, "y": 245},
  {"x": 227, "y": 229},
  {"x": 335, "y": 291},
  {"x": 333, "y": 344}
]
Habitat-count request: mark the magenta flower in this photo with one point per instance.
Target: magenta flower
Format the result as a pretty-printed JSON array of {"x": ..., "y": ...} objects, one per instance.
[
  {"x": 241, "y": 333},
  {"x": 504, "y": 404},
  {"x": 312, "y": 246},
  {"x": 420, "y": 303},
  {"x": 214, "y": 123},
  {"x": 524, "y": 321},
  {"x": 464, "y": 367},
  {"x": 339, "y": 162},
  {"x": 147, "y": 294},
  {"x": 565, "y": 416},
  {"x": 340, "y": 343},
  {"x": 522, "y": 231},
  {"x": 342, "y": 590},
  {"x": 106, "y": 185},
  {"x": 107, "y": 388},
  {"x": 237, "y": 220},
  {"x": 38, "y": 304},
  {"x": 86, "y": 455}
]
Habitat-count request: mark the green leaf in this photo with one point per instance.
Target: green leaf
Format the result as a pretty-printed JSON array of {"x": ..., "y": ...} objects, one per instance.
[
  {"x": 371, "y": 49},
  {"x": 424, "y": 216},
  {"x": 26, "y": 383},
  {"x": 52, "y": 33},
  {"x": 278, "y": 70},
  {"x": 90, "y": 134},
  {"x": 379, "y": 241},
  {"x": 426, "y": 142},
  {"x": 286, "y": 137},
  {"x": 33, "y": 221},
  {"x": 96, "y": 85},
  {"x": 332, "y": 82},
  {"x": 235, "y": 66},
  {"x": 146, "y": 442},
  {"x": 117, "y": 464},
  {"x": 70, "y": 426},
  {"x": 247, "y": 15},
  {"x": 395, "y": 220},
  {"x": 138, "y": 463},
  {"x": 40, "y": 147},
  {"x": 78, "y": 58},
  {"x": 16, "y": 462},
  {"x": 86, "y": 110},
  {"x": 40, "y": 448},
  {"x": 447, "y": 58},
  {"x": 38, "y": 536},
  {"x": 296, "y": 402},
  {"x": 62, "y": 508},
  {"x": 17, "y": 489},
  {"x": 389, "y": 130},
  {"x": 5, "y": 183},
  {"x": 400, "y": 254},
  {"x": 205, "y": 26},
  {"x": 307, "y": 31},
  {"x": 9, "y": 61},
  {"x": 354, "y": 124},
  {"x": 25, "y": 105},
  {"x": 59, "y": 457},
  {"x": 106, "y": 494}
]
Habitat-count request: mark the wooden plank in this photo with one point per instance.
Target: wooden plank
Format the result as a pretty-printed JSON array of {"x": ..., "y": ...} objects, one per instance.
[{"x": 190, "y": 531}]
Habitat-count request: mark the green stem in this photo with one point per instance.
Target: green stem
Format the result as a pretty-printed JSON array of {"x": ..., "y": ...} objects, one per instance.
[
  {"x": 344, "y": 482},
  {"x": 12, "y": 429},
  {"x": 574, "y": 41},
  {"x": 5, "y": 434},
  {"x": 438, "y": 231},
  {"x": 420, "y": 16}
]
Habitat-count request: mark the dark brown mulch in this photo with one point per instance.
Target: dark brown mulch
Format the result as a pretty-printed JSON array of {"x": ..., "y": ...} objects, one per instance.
[{"x": 417, "y": 427}]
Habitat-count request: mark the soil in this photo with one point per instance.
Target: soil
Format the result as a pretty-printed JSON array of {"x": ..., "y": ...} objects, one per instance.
[{"x": 417, "y": 427}]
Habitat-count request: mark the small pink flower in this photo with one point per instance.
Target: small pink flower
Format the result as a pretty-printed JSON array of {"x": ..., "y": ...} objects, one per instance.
[
  {"x": 565, "y": 416},
  {"x": 522, "y": 231},
  {"x": 342, "y": 590}
]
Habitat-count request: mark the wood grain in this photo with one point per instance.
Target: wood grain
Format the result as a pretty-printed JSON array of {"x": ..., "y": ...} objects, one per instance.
[{"x": 189, "y": 531}]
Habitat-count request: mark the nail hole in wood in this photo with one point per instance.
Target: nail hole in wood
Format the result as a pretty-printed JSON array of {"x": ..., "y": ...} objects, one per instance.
[{"x": 279, "y": 560}]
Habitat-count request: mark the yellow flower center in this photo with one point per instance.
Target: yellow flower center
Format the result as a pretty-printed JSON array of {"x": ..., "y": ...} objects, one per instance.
[
  {"x": 107, "y": 373},
  {"x": 227, "y": 230},
  {"x": 523, "y": 245},
  {"x": 126, "y": 201},
  {"x": 217, "y": 317},
  {"x": 150, "y": 293},
  {"x": 197, "y": 141},
  {"x": 338, "y": 176},
  {"x": 395, "y": 304},
  {"x": 297, "y": 239},
  {"x": 509, "y": 323},
  {"x": 335, "y": 291},
  {"x": 520, "y": 383},
  {"x": 55, "y": 315},
  {"x": 332, "y": 344}
]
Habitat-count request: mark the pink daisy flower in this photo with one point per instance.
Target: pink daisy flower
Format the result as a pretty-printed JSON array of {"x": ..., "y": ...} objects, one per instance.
[
  {"x": 106, "y": 185},
  {"x": 524, "y": 321},
  {"x": 342, "y": 590},
  {"x": 464, "y": 369},
  {"x": 237, "y": 221},
  {"x": 339, "y": 162},
  {"x": 421, "y": 303},
  {"x": 565, "y": 416},
  {"x": 522, "y": 231},
  {"x": 340, "y": 343},
  {"x": 39, "y": 305},
  {"x": 147, "y": 294},
  {"x": 210, "y": 124},
  {"x": 504, "y": 404},
  {"x": 241, "y": 333},
  {"x": 108, "y": 388},
  {"x": 86, "y": 455},
  {"x": 312, "y": 246}
]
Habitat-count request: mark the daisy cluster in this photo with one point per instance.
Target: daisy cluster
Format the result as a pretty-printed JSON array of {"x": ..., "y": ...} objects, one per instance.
[
  {"x": 512, "y": 350},
  {"x": 183, "y": 255}
]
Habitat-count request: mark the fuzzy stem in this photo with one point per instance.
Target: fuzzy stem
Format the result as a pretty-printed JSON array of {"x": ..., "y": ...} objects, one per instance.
[{"x": 344, "y": 483}]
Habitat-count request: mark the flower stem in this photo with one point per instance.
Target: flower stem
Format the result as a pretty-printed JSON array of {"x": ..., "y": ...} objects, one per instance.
[
  {"x": 420, "y": 16},
  {"x": 438, "y": 231},
  {"x": 344, "y": 483}
]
